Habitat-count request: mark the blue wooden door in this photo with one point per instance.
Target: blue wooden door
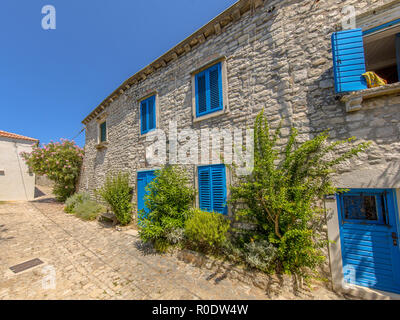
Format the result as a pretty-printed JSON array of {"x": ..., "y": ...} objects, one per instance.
[
  {"x": 143, "y": 179},
  {"x": 368, "y": 220}
]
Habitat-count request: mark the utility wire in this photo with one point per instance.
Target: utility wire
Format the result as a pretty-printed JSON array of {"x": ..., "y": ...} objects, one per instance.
[{"x": 78, "y": 134}]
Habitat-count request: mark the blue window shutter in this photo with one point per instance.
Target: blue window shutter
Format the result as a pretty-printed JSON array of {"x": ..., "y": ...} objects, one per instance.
[
  {"x": 209, "y": 90},
  {"x": 141, "y": 185},
  {"x": 143, "y": 116},
  {"x": 143, "y": 180},
  {"x": 212, "y": 188},
  {"x": 219, "y": 189},
  {"x": 201, "y": 97},
  {"x": 348, "y": 60},
  {"x": 103, "y": 132},
  {"x": 205, "y": 199},
  {"x": 215, "y": 87},
  {"x": 151, "y": 112}
]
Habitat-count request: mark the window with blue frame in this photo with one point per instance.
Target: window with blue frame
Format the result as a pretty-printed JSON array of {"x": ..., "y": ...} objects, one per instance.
[
  {"x": 356, "y": 52},
  {"x": 148, "y": 115},
  {"x": 103, "y": 131},
  {"x": 208, "y": 86},
  {"x": 212, "y": 188}
]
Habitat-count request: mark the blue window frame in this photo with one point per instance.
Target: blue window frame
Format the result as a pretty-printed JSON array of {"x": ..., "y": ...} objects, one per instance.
[
  {"x": 212, "y": 188},
  {"x": 148, "y": 114},
  {"x": 209, "y": 90}
]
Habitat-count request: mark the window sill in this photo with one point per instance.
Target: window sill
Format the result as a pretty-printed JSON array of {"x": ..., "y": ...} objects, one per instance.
[
  {"x": 210, "y": 115},
  {"x": 102, "y": 145},
  {"x": 148, "y": 133},
  {"x": 354, "y": 99}
]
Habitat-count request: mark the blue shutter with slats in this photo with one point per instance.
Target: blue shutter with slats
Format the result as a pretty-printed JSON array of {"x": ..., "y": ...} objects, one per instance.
[
  {"x": 209, "y": 90},
  {"x": 205, "y": 199},
  {"x": 201, "y": 98},
  {"x": 143, "y": 116},
  {"x": 212, "y": 188},
  {"x": 215, "y": 87},
  {"x": 348, "y": 60},
  {"x": 103, "y": 132},
  {"x": 148, "y": 114},
  {"x": 151, "y": 113},
  {"x": 219, "y": 188}
]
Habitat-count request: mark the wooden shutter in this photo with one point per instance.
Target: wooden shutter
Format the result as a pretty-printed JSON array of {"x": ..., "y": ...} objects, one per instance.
[
  {"x": 201, "y": 96},
  {"x": 212, "y": 188},
  {"x": 143, "y": 180},
  {"x": 215, "y": 87},
  {"x": 103, "y": 132},
  {"x": 348, "y": 60},
  {"x": 143, "y": 116},
  {"x": 219, "y": 189},
  {"x": 205, "y": 199},
  {"x": 151, "y": 105}
]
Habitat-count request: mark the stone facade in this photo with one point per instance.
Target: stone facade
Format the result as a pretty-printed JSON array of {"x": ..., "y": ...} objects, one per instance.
[{"x": 278, "y": 57}]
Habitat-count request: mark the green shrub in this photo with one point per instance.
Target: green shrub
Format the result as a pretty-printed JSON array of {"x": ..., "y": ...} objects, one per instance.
[
  {"x": 168, "y": 200},
  {"x": 73, "y": 200},
  {"x": 282, "y": 195},
  {"x": 88, "y": 209},
  {"x": 298, "y": 251},
  {"x": 206, "y": 230},
  {"x": 261, "y": 255},
  {"x": 117, "y": 193}
]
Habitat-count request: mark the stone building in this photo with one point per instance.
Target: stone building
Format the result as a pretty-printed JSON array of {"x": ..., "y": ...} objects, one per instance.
[
  {"x": 16, "y": 181},
  {"x": 302, "y": 61}
]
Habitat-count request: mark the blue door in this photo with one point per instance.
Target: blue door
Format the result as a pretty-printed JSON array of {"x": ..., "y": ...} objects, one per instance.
[
  {"x": 368, "y": 220},
  {"x": 143, "y": 179}
]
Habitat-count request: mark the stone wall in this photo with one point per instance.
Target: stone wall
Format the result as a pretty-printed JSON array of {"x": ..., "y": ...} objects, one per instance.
[{"x": 279, "y": 60}]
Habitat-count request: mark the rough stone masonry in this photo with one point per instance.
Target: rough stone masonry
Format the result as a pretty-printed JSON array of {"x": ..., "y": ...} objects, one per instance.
[{"x": 278, "y": 57}]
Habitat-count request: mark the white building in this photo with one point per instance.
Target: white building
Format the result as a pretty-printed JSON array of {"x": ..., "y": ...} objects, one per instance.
[{"x": 16, "y": 182}]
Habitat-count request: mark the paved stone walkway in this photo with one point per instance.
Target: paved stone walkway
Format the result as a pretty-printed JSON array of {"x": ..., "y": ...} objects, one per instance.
[{"x": 94, "y": 261}]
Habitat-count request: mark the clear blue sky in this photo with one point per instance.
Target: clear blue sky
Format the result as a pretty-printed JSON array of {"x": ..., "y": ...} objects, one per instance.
[{"x": 50, "y": 80}]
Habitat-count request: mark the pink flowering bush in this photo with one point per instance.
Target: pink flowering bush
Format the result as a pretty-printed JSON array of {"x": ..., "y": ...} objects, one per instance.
[{"x": 60, "y": 161}]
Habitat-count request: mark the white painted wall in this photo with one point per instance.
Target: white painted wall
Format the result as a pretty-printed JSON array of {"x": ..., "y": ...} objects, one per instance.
[{"x": 16, "y": 183}]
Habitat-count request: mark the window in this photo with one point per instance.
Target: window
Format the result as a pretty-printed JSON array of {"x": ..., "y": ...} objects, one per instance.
[
  {"x": 148, "y": 114},
  {"x": 208, "y": 85},
  {"x": 356, "y": 51},
  {"x": 364, "y": 206},
  {"x": 381, "y": 53},
  {"x": 212, "y": 188},
  {"x": 103, "y": 132}
]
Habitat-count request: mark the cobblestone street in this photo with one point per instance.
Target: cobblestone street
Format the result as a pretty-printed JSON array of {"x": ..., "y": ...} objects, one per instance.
[{"x": 94, "y": 261}]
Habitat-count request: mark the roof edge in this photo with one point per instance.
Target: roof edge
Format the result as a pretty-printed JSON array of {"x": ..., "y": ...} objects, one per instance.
[{"x": 232, "y": 14}]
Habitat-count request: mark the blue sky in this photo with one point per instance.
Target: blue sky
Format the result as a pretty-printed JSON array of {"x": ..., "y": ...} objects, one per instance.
[{"x": 50, "y": 80}]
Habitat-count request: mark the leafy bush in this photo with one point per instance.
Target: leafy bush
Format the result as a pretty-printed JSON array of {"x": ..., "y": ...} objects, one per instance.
[
  {"x": 282, "y": 196},
  {"x": 261, "y": 255},
  {"x": 175, "y": 236},
  {"x": 61, "y": 162},
  {"x": 206, "y": 230},
  {"x": 73, "y": 200},
  {"x": 117, "y": 193},
  {"x": 297, "y": 251},
  {"x": 168, "y": 201},
  {"x": 88, "y": 209}
]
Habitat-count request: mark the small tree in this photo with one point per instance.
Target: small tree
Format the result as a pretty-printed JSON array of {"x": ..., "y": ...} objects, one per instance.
[
  {"x": 168, "y": 201},
  {"x": 117, "y": 192},
  {"x": 282, "y": 195},
  {"x": 60, "y": 161}
]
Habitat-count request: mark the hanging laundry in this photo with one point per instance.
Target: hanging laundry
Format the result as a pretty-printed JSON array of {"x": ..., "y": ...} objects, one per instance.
[{"x": 373, "y": 80}]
